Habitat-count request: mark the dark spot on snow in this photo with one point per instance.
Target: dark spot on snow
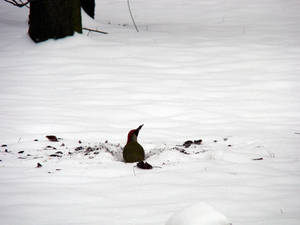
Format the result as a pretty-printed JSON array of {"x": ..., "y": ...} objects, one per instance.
[
  {"x": 59, "y": 152},
  {"x": 184, "y": 152},
  {"x": 35, "y": 140},
  {"x": 58, "y": 169},
  {"x": 21, "y": 152},
  {"x": 6, "y": 150},
  {"x": 55, "y": 155},
  {"x": 187, "y": 143},
  {"x": 50, "y": 147},
  {"x": 38, "y": 165},
  {"x": 225, "y": 139},
  {"x": 28, "y": 155},
  {"x": 198, "y": 142},
  {"x": 79, "y": 142},
  {"x": 62, "y": 145},
  {"x": 229, "y": 145},
  {"x": 215, "y": 141},
  {"x": 258, "y": 159},
  {"x": 88, "y": 150},
  {"x": 3, "y": 146},
  {"x": 181, "y": 150},
  {"x": 144, "y": 165},
  {"x": 22, "y": 158},
  {"x": 52, "y": 138},
  {"x": 79, "y": 148}
]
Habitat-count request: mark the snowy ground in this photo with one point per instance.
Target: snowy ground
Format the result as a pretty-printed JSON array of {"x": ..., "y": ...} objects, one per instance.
[{"x": 225, "y": 71}]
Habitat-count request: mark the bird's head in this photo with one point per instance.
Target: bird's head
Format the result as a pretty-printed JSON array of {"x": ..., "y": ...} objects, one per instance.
[{"x": 133, "y": 134}]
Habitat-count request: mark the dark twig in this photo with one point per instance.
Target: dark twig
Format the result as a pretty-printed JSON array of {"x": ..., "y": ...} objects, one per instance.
[
  {"x": 135, "y": 26},
  {"x": 20, "y": 3},
  {"x": 258, "y": 159},
  {"x": 92, "y": 30},
  {"x": 25, "y": 5}
]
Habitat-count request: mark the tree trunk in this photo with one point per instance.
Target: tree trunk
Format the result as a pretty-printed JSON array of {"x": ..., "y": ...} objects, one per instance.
[{"x": 54, "y": 19}]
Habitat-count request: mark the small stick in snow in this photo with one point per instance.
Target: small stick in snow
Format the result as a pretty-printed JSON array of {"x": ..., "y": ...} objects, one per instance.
[
  {"x": 92, "y": 30},
  {"x": 258, "y": 159},
  {"x": 134, "y": 171},
  {"x": 135, "y": 26}
]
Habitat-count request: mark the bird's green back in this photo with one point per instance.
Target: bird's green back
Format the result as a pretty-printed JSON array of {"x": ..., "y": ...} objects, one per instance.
[{"x": 133, "y": 152}]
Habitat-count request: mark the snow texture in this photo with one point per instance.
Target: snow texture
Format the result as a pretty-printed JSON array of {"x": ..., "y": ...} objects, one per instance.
[
  {"x": 224, "y": 71},
  {"x": 198, "y": 214}
]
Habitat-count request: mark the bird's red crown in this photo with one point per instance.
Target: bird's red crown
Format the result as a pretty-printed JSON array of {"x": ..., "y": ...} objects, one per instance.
[{"x": 130, "y": 135}]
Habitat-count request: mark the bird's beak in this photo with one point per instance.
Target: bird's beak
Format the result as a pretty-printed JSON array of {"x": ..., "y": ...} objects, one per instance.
[{"x": 138, "y": 130}]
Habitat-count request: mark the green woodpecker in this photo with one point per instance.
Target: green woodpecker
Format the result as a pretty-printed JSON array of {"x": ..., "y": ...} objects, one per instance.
[{"x": 133, "y": 151}]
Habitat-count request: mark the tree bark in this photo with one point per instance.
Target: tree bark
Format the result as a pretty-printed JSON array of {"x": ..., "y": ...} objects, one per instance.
[{"x": 54, "y": 19}]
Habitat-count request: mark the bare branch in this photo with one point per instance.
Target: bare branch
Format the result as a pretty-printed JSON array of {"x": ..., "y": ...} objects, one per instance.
[
  {"x": 25, "y": 5},
  {"x": 92, "y": 30},
  {"x": 18, "y": 3}
]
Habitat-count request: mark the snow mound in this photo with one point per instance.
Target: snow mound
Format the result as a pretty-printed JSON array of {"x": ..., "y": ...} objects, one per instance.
[{"x": 198, "y": 214}]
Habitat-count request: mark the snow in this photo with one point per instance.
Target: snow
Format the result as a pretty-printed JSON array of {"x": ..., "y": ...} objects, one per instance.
[
  {"x": 198, "y": 214},
  {"x": 224, "y": 71}
]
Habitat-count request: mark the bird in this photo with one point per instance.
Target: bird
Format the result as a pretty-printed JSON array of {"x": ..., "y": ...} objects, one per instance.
[{"x": 133, "y": 151}]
